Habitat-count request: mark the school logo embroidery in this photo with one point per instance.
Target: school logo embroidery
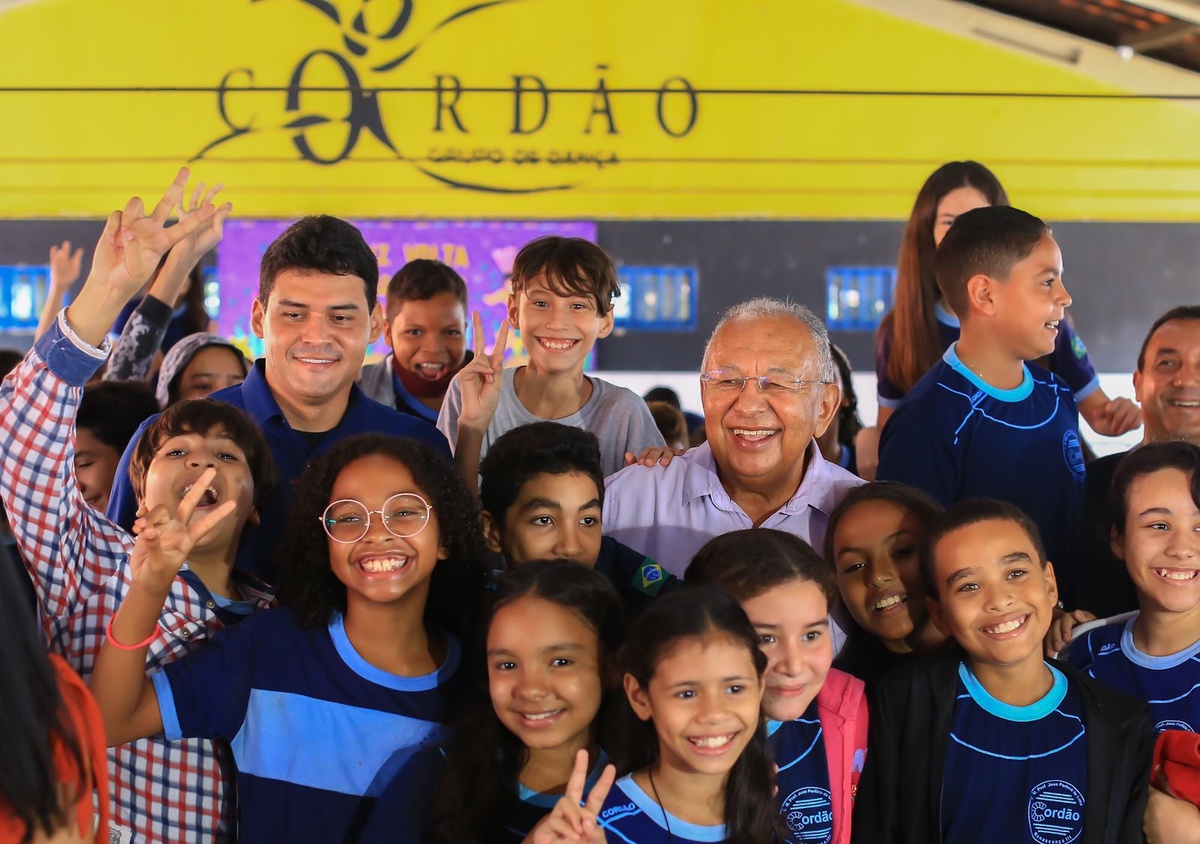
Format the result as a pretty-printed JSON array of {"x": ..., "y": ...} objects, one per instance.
[
  {"x": 1172, "y": 724},
  {"x": 1055, "y": 812},
  {"x": 1109, "y": 648},
  {"x": 808, "y": 812},
  {"x": 1073, "y": 454}
]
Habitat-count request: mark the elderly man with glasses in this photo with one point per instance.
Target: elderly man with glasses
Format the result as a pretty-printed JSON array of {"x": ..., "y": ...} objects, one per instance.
[{"x": 768, "y": 390}]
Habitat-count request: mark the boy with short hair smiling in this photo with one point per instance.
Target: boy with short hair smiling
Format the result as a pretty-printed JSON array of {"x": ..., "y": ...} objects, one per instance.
[
  {"x": 983, "y": 423},
  {"x": 543, "y": 495},
  {"x": 561, "y": 302},
  {"x": 992, "y": 744},
  {"x": 427, "y": 329}
]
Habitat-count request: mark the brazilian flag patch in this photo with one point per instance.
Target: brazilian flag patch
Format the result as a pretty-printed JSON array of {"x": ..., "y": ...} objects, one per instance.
[
  {"x": 651, "y": 577},
  {"x": 1078, "y": 348}
]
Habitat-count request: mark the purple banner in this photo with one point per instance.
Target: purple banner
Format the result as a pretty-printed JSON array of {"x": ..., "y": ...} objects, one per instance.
[{"x": 481, "y": 252}]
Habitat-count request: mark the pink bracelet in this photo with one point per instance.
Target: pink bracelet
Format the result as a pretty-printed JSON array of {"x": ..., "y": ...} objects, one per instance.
[{"x": 143, "y": 644}]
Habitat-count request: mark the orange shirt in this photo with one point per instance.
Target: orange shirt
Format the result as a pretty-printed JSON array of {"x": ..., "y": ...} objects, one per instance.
[{"x": 83, "y": 718}]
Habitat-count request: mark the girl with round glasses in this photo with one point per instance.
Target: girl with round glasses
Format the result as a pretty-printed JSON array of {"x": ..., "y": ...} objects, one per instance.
[{"x": 327, "y": 699}]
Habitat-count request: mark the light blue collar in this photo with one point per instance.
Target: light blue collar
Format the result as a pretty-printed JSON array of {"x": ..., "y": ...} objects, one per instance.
[
  {"x": 1016, "y": 394},
  {"x": 1033, "y": 712}
]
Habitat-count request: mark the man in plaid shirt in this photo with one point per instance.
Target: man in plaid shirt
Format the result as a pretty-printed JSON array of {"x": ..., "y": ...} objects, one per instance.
[{"x": 162, "y": 791}]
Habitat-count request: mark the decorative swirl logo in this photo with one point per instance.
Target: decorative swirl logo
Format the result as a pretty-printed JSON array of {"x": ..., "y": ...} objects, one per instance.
[{"x": 381, "y": 42}]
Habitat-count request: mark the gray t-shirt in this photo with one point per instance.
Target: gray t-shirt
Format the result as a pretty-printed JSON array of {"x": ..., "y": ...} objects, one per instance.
[{"x": 617, "y": 416}]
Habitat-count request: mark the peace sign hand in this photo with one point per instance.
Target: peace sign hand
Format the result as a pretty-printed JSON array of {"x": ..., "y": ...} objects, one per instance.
[
  {"x": 482, "y": 380},
  {"x": 573, "y": 819},
  {"x": 204, "y": 238},
  {"x": 164, "y": 540},
  {"x": 132, "y": 243}
]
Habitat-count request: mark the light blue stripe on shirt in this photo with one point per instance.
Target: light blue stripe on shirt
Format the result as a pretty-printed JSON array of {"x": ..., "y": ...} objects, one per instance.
[{"x": 322, "y": 744}]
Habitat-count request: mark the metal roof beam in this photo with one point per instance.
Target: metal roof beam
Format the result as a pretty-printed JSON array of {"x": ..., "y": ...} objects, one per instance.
[{"x": 1165, "y": 35}]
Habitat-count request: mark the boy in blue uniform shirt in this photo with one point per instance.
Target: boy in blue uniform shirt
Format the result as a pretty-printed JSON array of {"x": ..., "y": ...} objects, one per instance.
[
  {"x": 983, "y": 423},
  {"x": 542, "y": 492},
  {"x": 992, "y": 744}
]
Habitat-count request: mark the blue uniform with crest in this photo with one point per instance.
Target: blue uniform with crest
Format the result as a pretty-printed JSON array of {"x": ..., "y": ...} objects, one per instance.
[
  {"x": 805, "y": 802},
  {"x": 1015, "y": 773},
  {"x": 1169, "y": 684},
  {"x": 957, "y": 437}
]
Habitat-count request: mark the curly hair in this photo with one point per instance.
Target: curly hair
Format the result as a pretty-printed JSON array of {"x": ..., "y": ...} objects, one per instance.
[{"x": 309, "y": 584}]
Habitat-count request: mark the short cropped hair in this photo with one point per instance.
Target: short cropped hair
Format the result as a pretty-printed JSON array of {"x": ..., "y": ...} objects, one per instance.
[
  {"x": 766, "y": 307},
  {"x": 985, "y": 241},
  {"x": 422, "y": 279},
  {"x": 967, "y": 513},
  {"x": 535, "y": 449},
  {"x": 200, "y": 416},
  {"x": 320, "y": 244},
  {"x": 1181, "y": 312},
  {"x": 113, "y": 410},
  {"x": 572, "y": 266}
]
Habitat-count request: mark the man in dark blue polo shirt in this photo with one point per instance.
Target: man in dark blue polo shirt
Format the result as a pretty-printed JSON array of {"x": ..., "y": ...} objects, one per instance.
[{"x": 316, "y": 312}]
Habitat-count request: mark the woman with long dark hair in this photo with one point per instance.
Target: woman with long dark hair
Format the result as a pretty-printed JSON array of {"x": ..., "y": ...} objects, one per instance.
[{"x": 919, "y": 328}]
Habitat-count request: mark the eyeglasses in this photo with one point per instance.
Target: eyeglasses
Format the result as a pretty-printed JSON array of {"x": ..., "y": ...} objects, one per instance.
[
  {"x": 778, "y": 384},
  {"x": 404, "y": 514}
]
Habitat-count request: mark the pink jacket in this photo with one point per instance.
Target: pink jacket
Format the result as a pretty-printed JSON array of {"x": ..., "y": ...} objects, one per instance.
[{"x": 842, "y": 708}]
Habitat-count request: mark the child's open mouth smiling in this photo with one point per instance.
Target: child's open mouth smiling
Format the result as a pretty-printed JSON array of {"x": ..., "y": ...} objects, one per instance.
[
  {"x": 1008, "y": 628},
  {"x": 712, "y": 745},
  {"x": 383, "y": 564}
]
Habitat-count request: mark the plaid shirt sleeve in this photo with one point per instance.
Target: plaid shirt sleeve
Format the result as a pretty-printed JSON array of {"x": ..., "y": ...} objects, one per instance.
[{"x": 69, "y": 547}]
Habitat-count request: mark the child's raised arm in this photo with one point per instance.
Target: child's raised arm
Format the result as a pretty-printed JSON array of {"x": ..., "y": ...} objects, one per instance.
[
  {"x": 126, "y": 696},
  {"x": 127, "y": 254},
  {"x": 69, "y": 549},
  {"x": 479, "y": 385},
  {"x": 141, "y": 339}
]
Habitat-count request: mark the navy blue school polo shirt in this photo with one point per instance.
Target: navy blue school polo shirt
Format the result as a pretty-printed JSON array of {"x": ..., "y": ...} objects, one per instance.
[
  {"x": 292, "y": 452},
  {"x": 957, "y": 437}
]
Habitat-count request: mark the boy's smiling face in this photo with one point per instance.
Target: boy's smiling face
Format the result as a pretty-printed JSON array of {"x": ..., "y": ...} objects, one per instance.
[
  {"x": 558, "y": 329},
  {"x": 555, "y": 517},
  {"x": 1029, "y": 306},
  {"x": 995, "y": 597},
  {"x": 178, "y": 464}
]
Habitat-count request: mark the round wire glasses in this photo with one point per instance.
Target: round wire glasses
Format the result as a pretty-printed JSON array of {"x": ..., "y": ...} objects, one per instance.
[{"x": 405, "y": 514}]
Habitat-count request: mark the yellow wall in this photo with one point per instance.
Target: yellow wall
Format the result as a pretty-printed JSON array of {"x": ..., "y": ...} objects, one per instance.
[{"x": 784, "y": 155}]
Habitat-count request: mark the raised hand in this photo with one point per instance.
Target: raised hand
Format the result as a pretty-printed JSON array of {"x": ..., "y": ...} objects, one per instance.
[
  {"x": 481, "y": 381},
  {"x": 132, "y": 243},
  {"x": 164, "y": 539},
  {"x": 573, "y": 819},
  {"x": 64, "y": 268},
  {"x": 188, "y": 252}
]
